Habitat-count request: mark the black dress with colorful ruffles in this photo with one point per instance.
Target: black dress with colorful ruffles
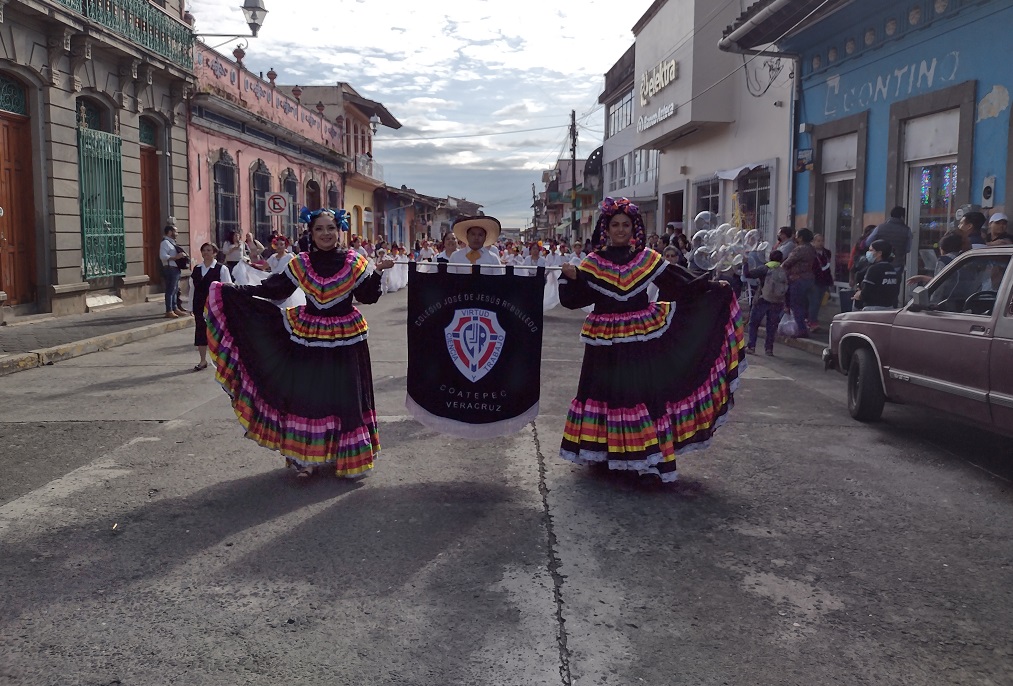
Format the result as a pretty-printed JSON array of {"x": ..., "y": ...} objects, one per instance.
[
  {"x": 657, "y": 378},
  {"x": 300, "y": 378}
]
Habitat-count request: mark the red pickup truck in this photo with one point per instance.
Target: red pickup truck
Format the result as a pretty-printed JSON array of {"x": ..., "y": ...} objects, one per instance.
[{"x": 950, "y": 348}]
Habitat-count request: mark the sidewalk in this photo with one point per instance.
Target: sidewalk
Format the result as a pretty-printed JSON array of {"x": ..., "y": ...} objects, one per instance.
[
  {"x": 40, "y": 340},
  {"x": 816, "y": 341}
]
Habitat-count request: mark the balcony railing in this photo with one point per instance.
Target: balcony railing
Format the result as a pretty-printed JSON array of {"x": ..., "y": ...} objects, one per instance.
[
  {"x": 144, "y": 24},
  {"x": 365, "y": 165}
]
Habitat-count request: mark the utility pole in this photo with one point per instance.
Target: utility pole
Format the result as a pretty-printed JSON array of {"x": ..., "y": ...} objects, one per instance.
[
  {"x": 573, "y": 176},
  {"x": 534, "y": 205}
]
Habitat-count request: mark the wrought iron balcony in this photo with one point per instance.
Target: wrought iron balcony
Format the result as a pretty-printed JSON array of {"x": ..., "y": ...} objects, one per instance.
[
  {"x": 143, "y": 24},
  {"x": 365, "y": 165}
]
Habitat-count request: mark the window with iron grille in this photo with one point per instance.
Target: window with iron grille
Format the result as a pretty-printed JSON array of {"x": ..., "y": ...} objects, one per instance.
[
  {"x": 754, "y": 200},
  {"x": 333, "y": 200},
  {"x": 13, "y": 97},
  {"x": 226, "y": 190},
  {"x": 290, "y": 185},
  {"x": 261, "y": 185},
  {"x": 708, "y": 195},
  {"x": 100, "y": 174}
]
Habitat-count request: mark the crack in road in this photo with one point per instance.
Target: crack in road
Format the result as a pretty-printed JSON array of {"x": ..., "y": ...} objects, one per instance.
[{"x": 554, "y": 564}]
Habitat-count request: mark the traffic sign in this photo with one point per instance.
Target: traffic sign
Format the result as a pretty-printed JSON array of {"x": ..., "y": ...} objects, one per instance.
[{"x": 278, "y": 203}]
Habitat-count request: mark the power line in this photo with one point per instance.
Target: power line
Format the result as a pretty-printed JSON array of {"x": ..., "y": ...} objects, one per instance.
[{"x": 470, "y": 135}]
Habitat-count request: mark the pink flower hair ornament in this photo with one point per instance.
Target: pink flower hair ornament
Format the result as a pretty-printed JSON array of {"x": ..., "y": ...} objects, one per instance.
[{"x": 610, "y": 208}]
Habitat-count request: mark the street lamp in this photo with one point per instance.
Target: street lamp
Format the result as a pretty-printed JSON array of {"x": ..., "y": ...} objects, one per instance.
[
  {"x": 374, "y": 121},
  {"x": 254, "y": 12}
]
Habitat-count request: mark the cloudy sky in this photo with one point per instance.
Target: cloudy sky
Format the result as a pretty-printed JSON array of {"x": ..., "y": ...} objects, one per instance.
[{"x": 483, "y": 88}]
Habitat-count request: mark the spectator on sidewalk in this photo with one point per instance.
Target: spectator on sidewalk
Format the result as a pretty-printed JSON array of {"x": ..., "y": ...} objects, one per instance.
[
  {"x": 168, "y": 253},
  {"x": 785, "y": 241},
  {"x": 769, "y": 302},
  {"x": 970, "y": 228},
  {"x": 801, "y": 269},
  {"x": 998, "y": 224},
  {"x": 898, "y": 234},
  {"x": 823, "y": 282},
  {"x": 857, "y": 264}
]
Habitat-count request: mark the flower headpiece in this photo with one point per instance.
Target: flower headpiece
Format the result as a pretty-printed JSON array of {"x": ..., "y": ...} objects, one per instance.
[
  {"x": 280, "y": 240},
  {"x": 610, "y": 208},
  {"x": 340, "y": 216}
]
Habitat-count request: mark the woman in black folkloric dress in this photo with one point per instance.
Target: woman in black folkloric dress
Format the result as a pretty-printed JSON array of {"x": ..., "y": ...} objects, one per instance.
[
  {"x": 657, "y": 378},
  {"x": 300, "y": 378}
]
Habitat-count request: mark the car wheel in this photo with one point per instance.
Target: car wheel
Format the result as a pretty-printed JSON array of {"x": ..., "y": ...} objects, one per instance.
[{"x": 865, "y": 392}]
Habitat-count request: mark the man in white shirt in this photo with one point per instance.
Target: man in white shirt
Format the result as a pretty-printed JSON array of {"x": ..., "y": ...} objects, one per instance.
[
  {"x": 479, "y": 233},
  {"x": 168, "y": 253}
]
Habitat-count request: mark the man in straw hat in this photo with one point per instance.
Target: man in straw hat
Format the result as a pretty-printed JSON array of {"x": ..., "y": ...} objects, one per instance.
[{"x": 479, "y": 233}]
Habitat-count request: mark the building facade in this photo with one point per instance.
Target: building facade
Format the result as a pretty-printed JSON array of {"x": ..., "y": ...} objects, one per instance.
[
  {"x": 628, "y": 171},
  {"x": 720, "y": 122},
  {"x": 357, "y": 118},
  {"x": 408, "y": 215},
  {"x": 93, "y": 135},
  {"x": 250, "y": 142},
  {"x": 902, "y": 104}
]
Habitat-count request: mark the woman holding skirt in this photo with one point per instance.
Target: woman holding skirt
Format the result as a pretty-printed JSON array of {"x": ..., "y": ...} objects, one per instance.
[
  {"x": 657, "y": 377},
  {"x": 300, "y": 378}
]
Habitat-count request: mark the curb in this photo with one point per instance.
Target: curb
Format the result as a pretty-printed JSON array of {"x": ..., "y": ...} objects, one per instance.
[{"x": 20, "y": 362}]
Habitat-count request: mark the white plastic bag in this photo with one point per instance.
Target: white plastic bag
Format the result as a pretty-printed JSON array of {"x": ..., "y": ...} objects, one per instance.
[{"x": 787, "y": 327}]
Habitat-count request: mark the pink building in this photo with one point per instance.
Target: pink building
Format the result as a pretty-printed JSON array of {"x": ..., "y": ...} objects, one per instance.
[{"x": 248, "y": 141}]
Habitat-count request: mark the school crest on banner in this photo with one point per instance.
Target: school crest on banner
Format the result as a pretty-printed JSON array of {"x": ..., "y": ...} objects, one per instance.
[
  {"x": 474, "y": 351},
  {"x": 475, "y": 341}
]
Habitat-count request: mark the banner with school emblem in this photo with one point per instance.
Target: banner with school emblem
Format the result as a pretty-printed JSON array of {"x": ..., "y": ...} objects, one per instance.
[{"x": 474, "y": 350}]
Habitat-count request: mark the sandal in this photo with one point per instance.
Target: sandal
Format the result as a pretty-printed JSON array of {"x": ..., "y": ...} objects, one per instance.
[
  {"x": 200, "y": 366},
  {"x": 300, "y": 471}
]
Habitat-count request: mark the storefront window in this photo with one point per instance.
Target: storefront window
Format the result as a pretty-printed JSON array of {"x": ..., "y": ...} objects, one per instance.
[
  {"x": 754, "y": 201},
  {"x": 932, "y": 193},
  {"x": 837, "y": 224}
]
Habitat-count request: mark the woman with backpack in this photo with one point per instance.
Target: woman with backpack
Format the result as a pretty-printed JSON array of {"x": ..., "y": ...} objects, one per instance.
[{"x": 770, "y": 301}]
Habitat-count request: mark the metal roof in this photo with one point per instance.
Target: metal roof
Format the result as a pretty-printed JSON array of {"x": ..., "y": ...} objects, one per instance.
[{"x": 770, "y": 21}]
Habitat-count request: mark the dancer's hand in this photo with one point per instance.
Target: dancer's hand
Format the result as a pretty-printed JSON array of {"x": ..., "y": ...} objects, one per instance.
[
  {"x": 386, "y": 264},
  {"x": 569, "y": 271}
]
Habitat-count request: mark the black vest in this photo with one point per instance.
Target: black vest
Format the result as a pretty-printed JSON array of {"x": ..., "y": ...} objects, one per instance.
[{"x": 202, "y": 285}]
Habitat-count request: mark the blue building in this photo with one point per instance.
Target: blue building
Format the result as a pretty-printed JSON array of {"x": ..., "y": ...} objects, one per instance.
[{"x": 899, "y": 103}]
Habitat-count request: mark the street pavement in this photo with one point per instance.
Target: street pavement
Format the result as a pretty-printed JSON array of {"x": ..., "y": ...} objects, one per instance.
[{"x": 144, "y": 541}]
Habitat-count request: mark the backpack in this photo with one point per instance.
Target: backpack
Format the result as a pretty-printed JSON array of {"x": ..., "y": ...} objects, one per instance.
[{"x": 775, "y": 285}]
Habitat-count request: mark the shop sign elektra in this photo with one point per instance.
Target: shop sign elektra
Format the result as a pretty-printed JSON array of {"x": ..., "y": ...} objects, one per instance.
[{"x": 651, "y": 83}]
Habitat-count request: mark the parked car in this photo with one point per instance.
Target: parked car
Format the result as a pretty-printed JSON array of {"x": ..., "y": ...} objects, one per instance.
[{"x": 950, "y": 348}]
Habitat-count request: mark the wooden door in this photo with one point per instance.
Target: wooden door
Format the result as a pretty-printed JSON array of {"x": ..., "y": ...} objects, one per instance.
[
  {"x": 17, "y": 225},
  {"x": 151, "y": 213}
]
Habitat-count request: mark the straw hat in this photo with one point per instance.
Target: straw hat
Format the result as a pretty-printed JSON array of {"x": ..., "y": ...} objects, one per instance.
[{"x": 490, "y": 225}]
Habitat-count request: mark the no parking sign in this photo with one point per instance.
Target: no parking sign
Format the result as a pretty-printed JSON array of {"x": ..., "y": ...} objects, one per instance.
[{"x": 278, "y": 203}]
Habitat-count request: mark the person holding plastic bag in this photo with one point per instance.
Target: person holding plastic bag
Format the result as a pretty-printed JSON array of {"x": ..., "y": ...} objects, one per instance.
[{"x": 769, "y": 301}]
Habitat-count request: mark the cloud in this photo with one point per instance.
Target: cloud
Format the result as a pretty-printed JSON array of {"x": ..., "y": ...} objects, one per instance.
[{"x": 492, "y": 67}]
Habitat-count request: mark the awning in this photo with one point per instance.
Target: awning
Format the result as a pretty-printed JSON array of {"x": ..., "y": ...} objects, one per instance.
[
  {"x": 771, "y": 21},
  {"x": 736, "y": 172}
]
